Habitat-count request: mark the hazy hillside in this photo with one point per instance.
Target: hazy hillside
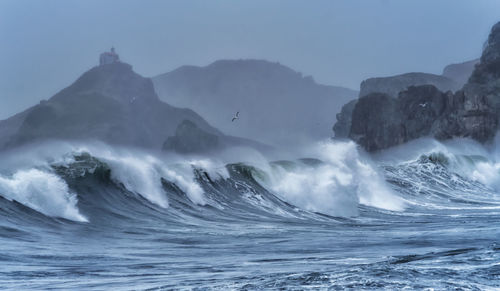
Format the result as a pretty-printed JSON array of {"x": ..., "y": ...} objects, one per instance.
[
  {"x": 276, "y": 103},
  {"x": 110, "y": 103},
  {"x": 461, "y": 72}
]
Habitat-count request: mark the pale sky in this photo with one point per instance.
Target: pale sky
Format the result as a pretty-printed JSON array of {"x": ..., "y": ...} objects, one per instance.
[{"x": 46, "y": 45}]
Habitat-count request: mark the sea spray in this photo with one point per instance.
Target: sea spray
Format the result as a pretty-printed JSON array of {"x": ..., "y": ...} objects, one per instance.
[
  {"x": 140, "y": 175},
  {"x": 41, "y": 191},
  {"x": 336, "y": 185}
]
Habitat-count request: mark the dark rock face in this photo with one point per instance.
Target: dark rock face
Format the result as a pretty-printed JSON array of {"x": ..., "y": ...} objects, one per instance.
[
  {"x": 419, "y": 107},
  {"x": 485, "y": 80},
  {"x": 374, "y": 131},
  {"x": 477, "y": 106},
  {"x": 467, "y": 117},
  {"x": 277, "y": 104},
  {"x": 395, "y": 84},
  {"x": 344, "y": 119},
  {"x": 191, "y": 139},
  {"x": 380, "y": 121},
  {"x": 390, "y": 86},
  {"x": 110, "y": 103}
]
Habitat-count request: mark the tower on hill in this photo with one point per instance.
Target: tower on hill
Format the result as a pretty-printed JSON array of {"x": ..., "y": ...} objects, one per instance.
[{"x": 109, "y": 57}]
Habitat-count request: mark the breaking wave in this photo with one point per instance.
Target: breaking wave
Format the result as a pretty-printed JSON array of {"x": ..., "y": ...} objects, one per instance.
[
  {"x": 330, "y": 178},
  {"x": 41, "y": 191}
]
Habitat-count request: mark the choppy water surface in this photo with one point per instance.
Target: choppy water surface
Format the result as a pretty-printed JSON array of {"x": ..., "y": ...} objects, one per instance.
[{"x": 93, "y": 217}]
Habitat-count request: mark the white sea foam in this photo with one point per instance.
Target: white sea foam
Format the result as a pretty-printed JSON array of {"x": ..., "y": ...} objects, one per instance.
[
  {"x": 141, "y": 173},
  {"x": 337, "y": 185},
  {"x": 41, "y": 191},
  {"x": 472, "y": 160},
  {"x": 455, "y": 169},
  {"x": 215, "y": 169},
  {"x": 182, "y": 176}
]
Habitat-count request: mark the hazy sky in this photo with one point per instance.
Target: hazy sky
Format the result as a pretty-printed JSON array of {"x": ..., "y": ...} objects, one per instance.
[{"x": 46, "y": 45}]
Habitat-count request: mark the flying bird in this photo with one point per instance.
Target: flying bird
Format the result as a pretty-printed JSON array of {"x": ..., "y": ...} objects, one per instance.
[
  {"x": 236, "y": 116},
  {"x": 423, "y": 104}
]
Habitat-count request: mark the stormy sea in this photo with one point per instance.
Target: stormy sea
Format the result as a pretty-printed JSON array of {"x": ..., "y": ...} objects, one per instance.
[{"x": 89, "y": 216}]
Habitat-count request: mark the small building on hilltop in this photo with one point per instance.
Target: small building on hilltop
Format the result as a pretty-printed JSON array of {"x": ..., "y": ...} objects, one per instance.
[{"x": 109, "y": 57}]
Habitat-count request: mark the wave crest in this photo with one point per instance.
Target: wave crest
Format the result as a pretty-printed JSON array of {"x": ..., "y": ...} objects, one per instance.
[{"x": 41, "y": 191}]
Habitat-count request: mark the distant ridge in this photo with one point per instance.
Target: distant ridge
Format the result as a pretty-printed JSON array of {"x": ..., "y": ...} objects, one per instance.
[
  {"x": 461, "y": 72},
  {"x": 110, "y": 103},
  {"x": 394, "y": 84},
  {"x": 276, "y": 103}
]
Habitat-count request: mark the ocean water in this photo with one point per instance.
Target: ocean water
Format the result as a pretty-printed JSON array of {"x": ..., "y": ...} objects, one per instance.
[{"x": 329, "y": 217}]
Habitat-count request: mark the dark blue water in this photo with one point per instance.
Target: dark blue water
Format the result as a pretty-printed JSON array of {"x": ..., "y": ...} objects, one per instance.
[{"x": 83, "y": 221}]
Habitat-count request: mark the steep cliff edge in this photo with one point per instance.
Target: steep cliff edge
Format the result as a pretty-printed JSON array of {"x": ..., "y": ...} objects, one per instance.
[
  {"x": 453, "y": 78},
  {"x": 485, "y": 80},
  {"x": 395, "y": 84},
  {"x": 380, "y": 120}
]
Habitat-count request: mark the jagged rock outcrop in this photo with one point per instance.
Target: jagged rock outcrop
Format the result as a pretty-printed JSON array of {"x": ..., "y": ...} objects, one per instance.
[
  {"x": 110, "y": 103},
  {"x": 395, "y": 84},
  {"x": 380, "y": 121},
  {"x": 467, "y": 116},
  {"x": 344, "y": 119},
  {"x": 477, "y": 106},
  {"x": 390, "y": 86},
  {"x": 485, "y": 80},
  {"x": 453, "y": 78},
  {"x": 276, "y": 104}
]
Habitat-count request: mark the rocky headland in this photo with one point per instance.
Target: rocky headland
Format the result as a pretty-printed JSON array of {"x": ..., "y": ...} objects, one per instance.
[
  {"x": 113, "y": 104},
  {"x": 379, "y": 120}
]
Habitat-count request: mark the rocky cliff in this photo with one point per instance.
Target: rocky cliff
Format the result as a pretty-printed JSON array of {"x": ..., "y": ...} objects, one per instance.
[
  {"x": 453, "y": 78},
  {"x": 485, "y": 80},
  {"x": 342, "y": 127},
  {"x": 380, "y": 120},
  {"x": 397, "y": 120},
  {"x": 276, "y": 103},
  {"x": 395, "y": 84}
]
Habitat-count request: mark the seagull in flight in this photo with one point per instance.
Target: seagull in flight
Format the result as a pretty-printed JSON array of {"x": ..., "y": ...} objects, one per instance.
[
  {"x": 423, "y": 104},
  {"x": 236, "y": 116}
]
